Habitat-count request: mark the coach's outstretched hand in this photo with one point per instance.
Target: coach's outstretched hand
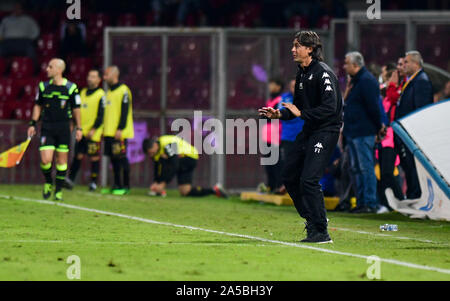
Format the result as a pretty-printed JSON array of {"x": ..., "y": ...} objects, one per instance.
[{"x": 269, "y": 112}]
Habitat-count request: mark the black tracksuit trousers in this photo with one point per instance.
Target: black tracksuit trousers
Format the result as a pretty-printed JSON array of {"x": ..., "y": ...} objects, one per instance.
[{"x": 304, "y": 167}]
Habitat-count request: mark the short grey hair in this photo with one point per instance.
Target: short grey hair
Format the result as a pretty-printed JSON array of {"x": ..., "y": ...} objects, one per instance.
[
  {"x": 356, "y": 58},
  {"x": 415, "y": 56}
]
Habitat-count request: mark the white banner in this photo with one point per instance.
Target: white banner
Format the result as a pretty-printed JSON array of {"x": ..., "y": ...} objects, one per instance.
[{"x": 433, "y": 203}]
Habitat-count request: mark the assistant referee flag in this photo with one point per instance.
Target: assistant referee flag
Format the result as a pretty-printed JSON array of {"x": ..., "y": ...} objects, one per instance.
[{"x": 12, "y": 156}]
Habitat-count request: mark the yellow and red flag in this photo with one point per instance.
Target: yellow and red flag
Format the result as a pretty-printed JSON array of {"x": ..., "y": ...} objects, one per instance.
[{"x": 12, "y": 156}]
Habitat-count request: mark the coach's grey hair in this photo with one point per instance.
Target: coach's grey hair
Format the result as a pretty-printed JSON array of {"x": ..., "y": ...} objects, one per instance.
[
  {"x": 415, "y": 56},
  {"x": 356, "y": 58}
]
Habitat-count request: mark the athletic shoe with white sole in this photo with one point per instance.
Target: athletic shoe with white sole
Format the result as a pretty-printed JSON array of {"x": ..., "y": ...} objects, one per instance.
[
  {"x": 92, "y": 186},
  {"x": 220, "y": 191},
  {"x": 318, "y": 238},
  {"x": 382, "y": 209},
  {"x": 153, "y": 193}
]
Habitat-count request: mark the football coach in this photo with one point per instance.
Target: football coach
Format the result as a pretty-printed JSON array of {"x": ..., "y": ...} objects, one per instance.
[{"x": 318, "y": 101}]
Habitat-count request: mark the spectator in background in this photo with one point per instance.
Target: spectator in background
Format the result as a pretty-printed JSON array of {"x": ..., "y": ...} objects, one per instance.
[
  {"x": 18, "y": 33},
  {"x": 401, "y": 71},
  {"x": 362, "y": 123},
  {"x": 443, "y": 94},
  {"x": 289, "y": 129},
  {"x": 273, "y": 172},
  {"x": 386, "y": 73},
  {"x": 416, "y": 93},
  {"x": 387, "y": 157},
  {"x": 73, "y": 39}
]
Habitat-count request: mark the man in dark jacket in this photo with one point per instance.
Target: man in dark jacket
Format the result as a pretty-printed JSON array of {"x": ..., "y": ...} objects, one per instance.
[
  {"x": 416, "y": 93},
  {"x": 362, "y": 123},
  {"x": 318, "y": 101}
]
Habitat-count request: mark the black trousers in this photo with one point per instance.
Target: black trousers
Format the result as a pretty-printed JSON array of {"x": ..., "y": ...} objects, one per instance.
[
  {"x": 408, "y": 165},
  {"x": 304, "y": 167},
  {"x": 387, "y": 157}
]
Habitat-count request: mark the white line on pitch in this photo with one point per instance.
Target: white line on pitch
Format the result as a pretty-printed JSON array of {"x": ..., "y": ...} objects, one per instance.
[
  {"x": 129, "y": 242},
  {"x": 297, "y": 245},
  {"x": 337, "y": 228},
  {"x": 391, "y": 236}
]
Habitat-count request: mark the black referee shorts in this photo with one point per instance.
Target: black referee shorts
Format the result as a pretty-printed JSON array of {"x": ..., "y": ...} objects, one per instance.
[{"x": 55, "y": 137}]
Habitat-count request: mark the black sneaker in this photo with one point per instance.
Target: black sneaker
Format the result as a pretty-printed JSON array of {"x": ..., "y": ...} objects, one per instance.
[
  {"x": 309, "y": 231},
  {"x": 343, "y": 206},
  {"x": 318, "y": 237},
  {"x": 364, "y": 209}
]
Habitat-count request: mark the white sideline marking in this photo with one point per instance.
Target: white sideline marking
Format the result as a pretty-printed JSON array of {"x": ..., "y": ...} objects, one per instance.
[
  {"x": 391, "y": 236},
  {"x": 337, "y": 228},
  {"x": 129, "y": 242},
  {"x": 297, "y": 245}
]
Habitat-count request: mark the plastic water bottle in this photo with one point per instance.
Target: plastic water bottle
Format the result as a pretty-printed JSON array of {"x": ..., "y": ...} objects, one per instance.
[{"x": 388, "y": 227}]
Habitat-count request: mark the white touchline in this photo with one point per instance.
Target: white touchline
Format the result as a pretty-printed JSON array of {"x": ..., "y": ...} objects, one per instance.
[
  {"x": 43, "y": 241},
  {"x": 337, "y": 228},
  {"x": 392, "y": 236},
  {"x": 149, "y": 221}
]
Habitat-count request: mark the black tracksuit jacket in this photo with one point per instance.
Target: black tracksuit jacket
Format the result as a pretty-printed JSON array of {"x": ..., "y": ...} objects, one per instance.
[{"x": 318, "y": 97}]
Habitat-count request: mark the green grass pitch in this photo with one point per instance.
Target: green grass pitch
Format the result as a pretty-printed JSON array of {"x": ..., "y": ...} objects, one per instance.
[{"x": 37, "y": 238}]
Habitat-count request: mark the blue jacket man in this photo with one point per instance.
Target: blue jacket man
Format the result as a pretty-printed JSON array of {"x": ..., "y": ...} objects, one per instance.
[
  {"x": 362, "y": 115},
  {"x": 362, "y": 123},
  {"x": 417, "y": 92}
]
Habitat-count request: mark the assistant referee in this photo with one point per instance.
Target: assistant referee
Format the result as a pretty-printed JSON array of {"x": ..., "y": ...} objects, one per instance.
[
  {"x": 318, "y": 101},
  {"x": 55, "y": 102}
]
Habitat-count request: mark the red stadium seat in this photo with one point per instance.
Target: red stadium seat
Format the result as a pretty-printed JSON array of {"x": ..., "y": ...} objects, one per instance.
[
  {"x": 3, "y": 66},
  {"x": 150, "y": 19},
  {"x": 127, "y": 19},
  {"x": 47, "y": 45},
  {"x": 43, "y": 63},
  {"x": 23, "y": 110},
  {"x": 9, "y": 89},
  {"x": 78, "y": 79},
  {"x": 95, "y": 25},
  {"x": 21, "y": 67},
  {"x": 98, "y": 21},
  {"x": 241, "y": 20},
  {"x": 324, "y": 22},
  {"x": 298, "y": 22},
  {"x": 29, "y": 89},
  {"x": 80, "y": 66},
  {"x": 5, "y": 110}
]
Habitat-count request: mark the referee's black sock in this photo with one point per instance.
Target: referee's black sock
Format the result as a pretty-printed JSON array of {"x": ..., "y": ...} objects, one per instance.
[
  {"x": 61, "y": 170},
  {"x": 116, "y": 168},
  {"x": 74, "y": 169},
  {"x": 95, "y": 168},
  {"x": 47, "y": 171},
  {"x": 126, "y": 172},
  {"x": 200, "y": 191}
]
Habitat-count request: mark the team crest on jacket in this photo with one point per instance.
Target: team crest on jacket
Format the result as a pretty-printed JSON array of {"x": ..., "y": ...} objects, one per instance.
[{"x": 318, "y": 147}]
